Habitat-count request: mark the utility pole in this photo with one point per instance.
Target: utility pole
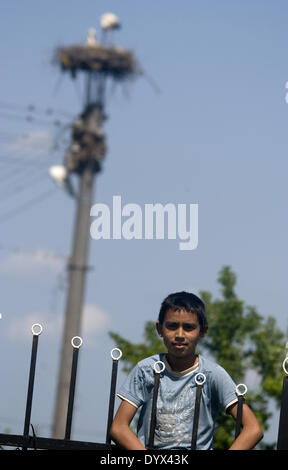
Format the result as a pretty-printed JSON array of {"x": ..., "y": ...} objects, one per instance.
[
  {"x": 98, "y": 62},
  {"x": 77, "y": 270}
]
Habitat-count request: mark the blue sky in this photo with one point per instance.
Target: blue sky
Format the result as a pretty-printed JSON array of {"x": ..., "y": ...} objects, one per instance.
[{"x": 215, "y": 135}]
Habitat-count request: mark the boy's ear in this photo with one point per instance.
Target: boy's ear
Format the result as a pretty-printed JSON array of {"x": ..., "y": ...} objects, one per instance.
[
  {"x": 159, "y": 329},
  {"x": 204, "y": 332}
]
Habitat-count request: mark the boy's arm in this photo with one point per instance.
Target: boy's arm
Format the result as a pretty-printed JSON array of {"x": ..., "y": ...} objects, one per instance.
[
  {"x": 251, "y": 432},
  {"x": 120, "y": 431}
]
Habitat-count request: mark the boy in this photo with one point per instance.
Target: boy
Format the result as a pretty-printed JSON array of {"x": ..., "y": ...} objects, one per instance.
[{"x": 181, "y": 323}]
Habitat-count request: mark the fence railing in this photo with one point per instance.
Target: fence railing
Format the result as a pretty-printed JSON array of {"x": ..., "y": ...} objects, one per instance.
[{"x": 29, "y": 440}]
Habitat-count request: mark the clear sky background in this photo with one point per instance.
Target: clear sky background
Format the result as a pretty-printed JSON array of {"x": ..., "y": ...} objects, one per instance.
[{"x": 215, "y": 134}]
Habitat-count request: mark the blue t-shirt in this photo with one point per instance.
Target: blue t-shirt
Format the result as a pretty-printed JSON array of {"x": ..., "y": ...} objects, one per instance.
[{"x": 176, "y": 401}]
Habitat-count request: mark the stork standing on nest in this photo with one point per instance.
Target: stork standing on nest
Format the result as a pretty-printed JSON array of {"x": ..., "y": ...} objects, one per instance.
[
  {"x": 91, "y": 38},
  {"x": 108, "y": 22}
]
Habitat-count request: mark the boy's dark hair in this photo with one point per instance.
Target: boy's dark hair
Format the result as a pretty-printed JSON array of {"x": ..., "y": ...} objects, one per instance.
[{"x": 184, "y": 301}]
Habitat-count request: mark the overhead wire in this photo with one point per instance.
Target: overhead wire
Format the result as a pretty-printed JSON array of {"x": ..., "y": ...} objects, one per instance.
[
  {"x": 27, "y": 205},
  {"x": 29, "y": 118},
  {"x": 19, "y": 168},
  {"x": 23, "y": 161},
  {"x": 19, "y": 171},
  {"x": 21, "y": 184},
  {"x": 26, "y": 172},
  {"x": 20, "y": 188},
  {"x": 35, "y": 109}
]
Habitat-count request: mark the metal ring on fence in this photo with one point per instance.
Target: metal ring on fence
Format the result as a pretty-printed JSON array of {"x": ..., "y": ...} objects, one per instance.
[
  {"x": 284, "y": 365},
  {"x": 200, "y": 378},
  {"x": 36, "y": 329},
  {"x": 75, "y": 345},
  {"x": 239, "y": 393},
  {"x": 161, "y": 367},
  {"x": 119, "y": 354}
]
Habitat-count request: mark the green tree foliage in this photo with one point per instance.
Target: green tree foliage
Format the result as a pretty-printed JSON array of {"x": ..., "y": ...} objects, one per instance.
[{"x": 241, "y": 341}]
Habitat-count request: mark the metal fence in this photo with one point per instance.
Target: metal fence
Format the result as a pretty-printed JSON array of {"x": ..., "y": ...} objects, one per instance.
[{"x": 29, "y": 440}]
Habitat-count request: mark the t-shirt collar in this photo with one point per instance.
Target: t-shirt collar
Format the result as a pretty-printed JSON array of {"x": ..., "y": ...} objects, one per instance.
[{"x": 182, "y": 373}]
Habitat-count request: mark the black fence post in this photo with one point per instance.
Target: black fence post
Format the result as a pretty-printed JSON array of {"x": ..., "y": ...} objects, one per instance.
[
  {"x": 200, "y": 379},
  {"x": 157, "y": 372},
  {"x": 241, "y": 401},
  {"x": 76, "y": 343},
  {"x": 115, "y": 360},
  {"x": 36, "y": 331}
]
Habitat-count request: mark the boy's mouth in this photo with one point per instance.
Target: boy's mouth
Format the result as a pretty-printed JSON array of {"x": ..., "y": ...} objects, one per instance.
[{"x": 179, "y": 345}]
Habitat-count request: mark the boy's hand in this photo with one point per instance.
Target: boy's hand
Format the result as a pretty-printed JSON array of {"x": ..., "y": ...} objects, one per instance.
[
  {"x": 120, "y": 431},
  {"x": 251, "y": 432}
]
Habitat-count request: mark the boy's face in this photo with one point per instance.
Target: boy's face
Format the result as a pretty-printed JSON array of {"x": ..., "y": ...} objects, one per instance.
[{"x": 180, "y": 332}]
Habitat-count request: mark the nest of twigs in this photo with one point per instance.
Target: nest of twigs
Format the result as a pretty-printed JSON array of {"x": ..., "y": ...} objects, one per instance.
[
  {"x": 87, "y": 145},
  {"x": 113, "y": 61}
]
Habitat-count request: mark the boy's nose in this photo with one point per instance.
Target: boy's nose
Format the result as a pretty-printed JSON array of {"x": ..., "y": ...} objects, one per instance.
[{"x": 180, "y": 333}]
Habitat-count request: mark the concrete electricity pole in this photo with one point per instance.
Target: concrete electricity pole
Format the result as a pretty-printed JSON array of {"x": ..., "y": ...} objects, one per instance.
[
  {"x": 99, "y": 63},
  {"x": 77, "y": 269}
]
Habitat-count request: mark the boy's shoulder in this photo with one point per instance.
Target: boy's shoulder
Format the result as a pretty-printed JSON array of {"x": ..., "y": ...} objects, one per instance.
[
  {"x": 149, "y": 361},
  {"x": 208, "y": 364},
  {"x": 215, "y": 373},
  {"x": 205, "y": 364},
  {"x": 211, "y": 366}
]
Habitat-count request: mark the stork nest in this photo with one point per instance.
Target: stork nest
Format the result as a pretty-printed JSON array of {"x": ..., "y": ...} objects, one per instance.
[
  {"x": 113, "y": 61},
  {"x": 87, "y": 145}
]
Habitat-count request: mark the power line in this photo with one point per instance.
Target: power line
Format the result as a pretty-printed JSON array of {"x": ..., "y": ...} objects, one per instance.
[
  {"x": 20, "y": 168},
  {"x": 20, "y": 188},
  {"x": 14, "y": 175},
  {"x": 34, "y": 109},
  {"x": 27, "y": 205},
  {"x": 30, "y": 118},
  {"x": 24, "y": 161},
  {"x": 26, "y": 138}
]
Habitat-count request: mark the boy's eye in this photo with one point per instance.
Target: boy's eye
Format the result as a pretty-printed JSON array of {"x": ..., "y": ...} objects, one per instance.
[
  {"x": 189, "y": 327},
  {"x": 172, "y": 326},
  {"x": 175, "y": 326}
]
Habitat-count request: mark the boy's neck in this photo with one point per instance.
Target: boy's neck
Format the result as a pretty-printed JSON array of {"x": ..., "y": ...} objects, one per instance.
[{"x": 180, "y": 364}]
